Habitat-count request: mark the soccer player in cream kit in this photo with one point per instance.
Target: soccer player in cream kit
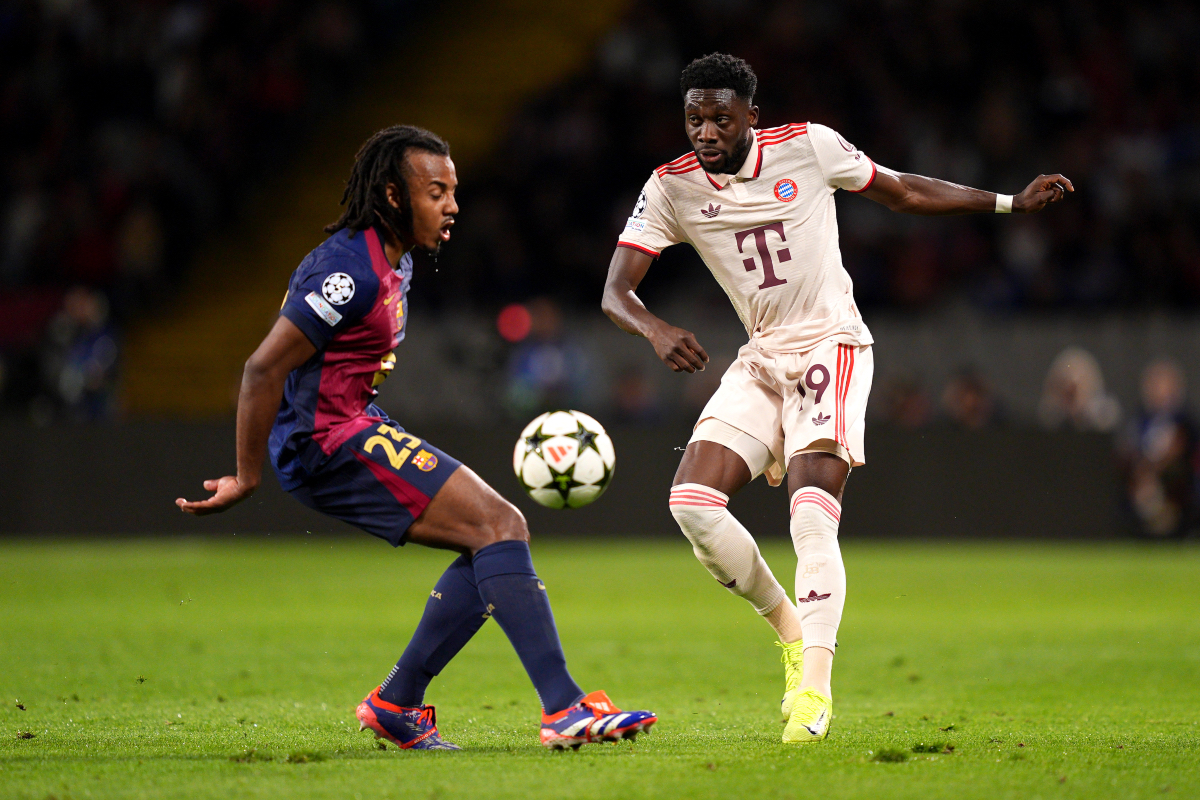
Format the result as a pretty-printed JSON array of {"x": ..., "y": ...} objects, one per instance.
[{"x": 757, "y": 205}]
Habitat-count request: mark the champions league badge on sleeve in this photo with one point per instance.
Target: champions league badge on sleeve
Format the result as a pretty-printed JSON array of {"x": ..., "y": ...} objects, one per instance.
[
  {"x": 639, "y": 207},
  {"x": 338, "y": 288}
]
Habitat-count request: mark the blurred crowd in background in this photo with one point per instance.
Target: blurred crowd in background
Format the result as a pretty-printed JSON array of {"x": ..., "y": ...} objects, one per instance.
[
  {"x": 133, "y": 130},
  {"x": 983, "y": 94}
]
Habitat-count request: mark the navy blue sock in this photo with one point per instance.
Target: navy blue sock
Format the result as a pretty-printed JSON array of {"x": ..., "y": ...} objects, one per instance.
[
  {"x": 517, "y": 599},
  {"x": 453, "y": 613}
]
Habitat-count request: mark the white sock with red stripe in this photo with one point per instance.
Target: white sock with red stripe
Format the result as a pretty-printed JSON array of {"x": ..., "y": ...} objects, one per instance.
[
  {"x": 724, "y": 547},
  {"x": 820, "y": 574}
]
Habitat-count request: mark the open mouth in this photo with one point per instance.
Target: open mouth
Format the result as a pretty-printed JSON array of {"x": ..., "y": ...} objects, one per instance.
[
  {"x": 711, "y": 156},
  {"x": 444, "y": 232}
]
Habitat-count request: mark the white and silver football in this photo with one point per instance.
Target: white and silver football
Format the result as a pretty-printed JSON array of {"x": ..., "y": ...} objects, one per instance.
[{"x": 564, "y": 459}]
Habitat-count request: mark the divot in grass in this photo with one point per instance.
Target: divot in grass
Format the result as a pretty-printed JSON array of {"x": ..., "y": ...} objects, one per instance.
[{"x": 251, "y": 755}]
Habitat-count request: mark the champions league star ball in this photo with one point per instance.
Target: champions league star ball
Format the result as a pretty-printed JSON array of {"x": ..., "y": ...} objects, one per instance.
[{"x": 564, "y": 459}]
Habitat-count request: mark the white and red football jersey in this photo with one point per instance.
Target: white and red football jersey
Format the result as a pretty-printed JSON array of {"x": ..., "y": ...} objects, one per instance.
[{"x": 768, "y": 234}]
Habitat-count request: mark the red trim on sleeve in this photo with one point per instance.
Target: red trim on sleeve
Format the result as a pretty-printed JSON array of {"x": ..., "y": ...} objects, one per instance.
[
  {"x": 633, "y": 246},
  {"x": 677, "y": 161},
  {"x": 777, "y": 135},
  {"x": 874, "y": 172},
  {"x": 782, "y": 129},
  {"x": 683, "y": 164}
]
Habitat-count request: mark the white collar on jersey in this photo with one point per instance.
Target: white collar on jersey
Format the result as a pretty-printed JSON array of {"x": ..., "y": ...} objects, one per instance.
[{"x": 749, "y": 167}]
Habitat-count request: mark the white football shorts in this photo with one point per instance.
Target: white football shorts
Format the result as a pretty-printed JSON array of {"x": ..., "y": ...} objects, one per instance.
[{"x": 793, "y": 403}]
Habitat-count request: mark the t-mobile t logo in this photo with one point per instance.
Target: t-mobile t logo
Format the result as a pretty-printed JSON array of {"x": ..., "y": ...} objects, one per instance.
[{"x": 760, "y": 242}]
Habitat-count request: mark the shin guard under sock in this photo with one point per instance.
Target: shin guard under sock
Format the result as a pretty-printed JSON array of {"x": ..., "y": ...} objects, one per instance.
[
  {"x": 820, "y": 574},
  {"x": 517, "y": 599},
  {"x": 453, "y": 613}
]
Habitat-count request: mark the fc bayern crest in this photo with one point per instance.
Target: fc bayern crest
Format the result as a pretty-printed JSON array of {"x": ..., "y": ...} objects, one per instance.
[
  {"x": 639, "y": 207},
  {"x": 786, "y": 190},
  {"x": 338, "y": 288}
]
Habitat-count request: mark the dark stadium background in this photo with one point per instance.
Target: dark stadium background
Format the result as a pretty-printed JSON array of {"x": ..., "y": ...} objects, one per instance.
[{"x": 165, "y": 165}]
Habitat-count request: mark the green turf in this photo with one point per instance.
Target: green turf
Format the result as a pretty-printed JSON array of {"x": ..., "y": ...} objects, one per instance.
[{"x": 1055, "y": 671}]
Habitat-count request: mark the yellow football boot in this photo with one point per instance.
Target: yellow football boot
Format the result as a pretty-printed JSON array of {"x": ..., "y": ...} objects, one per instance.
[
  {"x": 811, "y": 714},
  {"x": 793, "y": 669}
]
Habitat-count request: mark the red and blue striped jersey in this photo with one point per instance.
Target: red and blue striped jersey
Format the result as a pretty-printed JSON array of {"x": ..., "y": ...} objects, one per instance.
[{"x": 352, "y": 305}]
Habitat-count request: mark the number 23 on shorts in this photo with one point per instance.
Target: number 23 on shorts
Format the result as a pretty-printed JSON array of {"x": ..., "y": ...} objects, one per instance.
[{"x": 397, "y": 459}]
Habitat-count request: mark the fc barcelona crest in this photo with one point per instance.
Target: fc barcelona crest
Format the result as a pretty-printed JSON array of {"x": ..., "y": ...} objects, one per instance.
[{"x": 424, "y": 460}]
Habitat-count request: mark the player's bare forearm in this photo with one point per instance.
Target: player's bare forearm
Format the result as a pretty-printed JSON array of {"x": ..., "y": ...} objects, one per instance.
[
  {"x": 621, "y": 303},
  {"x": 917, "y": 194},
  {"x": 258, "y": 403},
  {"x": 677, "y": 347},
  {"x": 285, "y": 348}
]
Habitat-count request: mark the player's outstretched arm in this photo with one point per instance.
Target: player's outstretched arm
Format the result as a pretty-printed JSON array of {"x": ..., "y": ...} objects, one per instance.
[
  {"x": 916, "y": 194},
  {"x": 284, "y": 349},
  {"x": 677, "y": 347}
]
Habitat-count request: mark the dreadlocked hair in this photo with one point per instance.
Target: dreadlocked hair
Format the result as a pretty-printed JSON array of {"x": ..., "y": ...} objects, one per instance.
[
  {"x": 383, "y": 160},
  {"x": 720, "y": 71}
]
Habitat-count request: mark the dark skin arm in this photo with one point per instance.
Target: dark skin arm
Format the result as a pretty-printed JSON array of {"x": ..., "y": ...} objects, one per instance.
[
  {"x": 431, "y": 185},
  {"x": 677, "y": 347},
  {"x": 916, "y": 194},
  {"x": 905, "y": 193},
  {"x": 715, "y": 465},
  {"x": 284, "y": 349}
]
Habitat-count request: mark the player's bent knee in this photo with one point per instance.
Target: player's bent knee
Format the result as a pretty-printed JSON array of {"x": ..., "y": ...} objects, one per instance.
[
  {"x": 724, "y": 547},
  {"x": 691, "y": 521},
  {"x": 698, "y": 510},
  {"x": 505, "y": 523},
  {"x": 513, "y": 527}
]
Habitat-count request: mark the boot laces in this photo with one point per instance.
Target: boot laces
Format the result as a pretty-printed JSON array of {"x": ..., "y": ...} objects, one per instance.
[
  {"x": 426, "y": 716},
  {"x": 792, "y": 679}
]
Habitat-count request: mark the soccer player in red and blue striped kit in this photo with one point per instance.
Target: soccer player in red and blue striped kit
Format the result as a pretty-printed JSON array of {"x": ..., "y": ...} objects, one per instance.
[{"x": 307, "y": 398}]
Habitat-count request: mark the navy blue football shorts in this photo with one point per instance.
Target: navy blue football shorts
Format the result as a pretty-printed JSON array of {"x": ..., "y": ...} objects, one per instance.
[{"x": 379, "y": 480}]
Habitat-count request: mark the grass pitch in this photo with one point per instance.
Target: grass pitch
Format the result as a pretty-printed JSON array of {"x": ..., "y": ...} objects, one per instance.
[{"x": 231, "y": 668}]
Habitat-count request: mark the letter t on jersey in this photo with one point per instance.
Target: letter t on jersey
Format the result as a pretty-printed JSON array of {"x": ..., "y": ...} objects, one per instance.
[{"x": 764, "y": 252}]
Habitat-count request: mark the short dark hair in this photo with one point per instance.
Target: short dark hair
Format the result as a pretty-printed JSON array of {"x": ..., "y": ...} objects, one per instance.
[
  {"x": 720, "y": 71},
  {"x": 383, "y": 160}
]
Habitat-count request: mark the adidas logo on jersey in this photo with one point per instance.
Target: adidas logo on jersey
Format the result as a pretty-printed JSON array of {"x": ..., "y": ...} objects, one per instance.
[
  {"x": 711, "y": 211},
  {"x": 820, "y": 419}
]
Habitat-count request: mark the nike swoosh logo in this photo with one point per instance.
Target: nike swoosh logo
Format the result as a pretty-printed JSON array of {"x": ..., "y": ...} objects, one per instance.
[
  {"x": 816, "y": 729},
  {"x": 389, "y": 300}
]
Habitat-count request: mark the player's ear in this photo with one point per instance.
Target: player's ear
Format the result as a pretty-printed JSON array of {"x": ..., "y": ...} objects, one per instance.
[
  {"x": 393, "y": 195},
  {"x": 752, "y": 116}
]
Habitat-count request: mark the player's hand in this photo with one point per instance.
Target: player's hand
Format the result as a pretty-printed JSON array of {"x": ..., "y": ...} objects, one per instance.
[
  {"x": 227, "y": 492},
  {"x": 678, "y": 348},
  {"x": 1044, "y": 190}
]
